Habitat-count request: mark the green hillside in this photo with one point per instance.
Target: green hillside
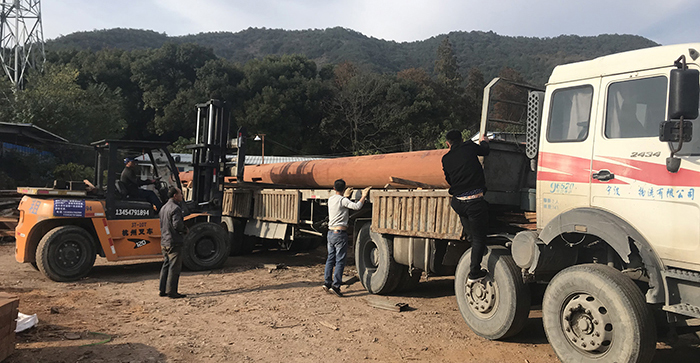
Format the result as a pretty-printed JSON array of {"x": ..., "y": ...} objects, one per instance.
[{"x": 534, "y": 58}]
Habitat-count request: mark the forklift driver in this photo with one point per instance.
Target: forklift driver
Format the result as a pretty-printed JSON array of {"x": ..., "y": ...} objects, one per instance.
[{"x": 132, "y": 182}]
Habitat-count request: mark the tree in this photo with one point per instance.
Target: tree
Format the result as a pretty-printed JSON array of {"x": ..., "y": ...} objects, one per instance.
[
  {"x": 283, "y": 97},
  {"x": 167, "y": 76},
  {"x": 474, "y": 94},
  {"x": 56, "y": 102},
  {"x": 446, "y": 67}
]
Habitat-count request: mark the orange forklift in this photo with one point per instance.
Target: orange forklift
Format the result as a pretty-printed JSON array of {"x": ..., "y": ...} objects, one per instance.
[{"x": 62, "y": 230}]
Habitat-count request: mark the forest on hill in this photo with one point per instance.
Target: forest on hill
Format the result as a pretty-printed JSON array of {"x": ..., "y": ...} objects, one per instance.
[
  {"x": 326, "y": 92},
  {"x": 534, "y": 58}
]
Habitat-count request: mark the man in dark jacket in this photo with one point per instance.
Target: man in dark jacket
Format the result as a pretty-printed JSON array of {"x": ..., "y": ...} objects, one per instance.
[
  {"x": 132, "y": 182},
  {"x": 465, "y": 175},
  {"x": 172, "y": 237}
]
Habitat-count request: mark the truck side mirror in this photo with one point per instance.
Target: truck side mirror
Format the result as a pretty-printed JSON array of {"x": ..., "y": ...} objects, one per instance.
[
  {"x": 684, "y": 94},
  {"x": 683, "y": 99}
]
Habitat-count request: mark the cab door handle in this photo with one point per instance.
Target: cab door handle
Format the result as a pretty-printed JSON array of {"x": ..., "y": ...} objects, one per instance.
[{"x": 604, "y": 175}]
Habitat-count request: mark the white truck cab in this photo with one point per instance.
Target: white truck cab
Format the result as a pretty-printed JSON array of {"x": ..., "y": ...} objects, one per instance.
[{"x": 618, "y": 209}]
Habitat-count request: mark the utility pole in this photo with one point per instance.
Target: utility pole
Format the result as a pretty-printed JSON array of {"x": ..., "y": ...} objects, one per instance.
[{"x": 21, "y": 39}]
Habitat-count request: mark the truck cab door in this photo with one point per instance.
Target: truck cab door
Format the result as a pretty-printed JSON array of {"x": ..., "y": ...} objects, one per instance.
[
  {"x": 629, "y": 175},
  {"x": 564, "y": 160}
]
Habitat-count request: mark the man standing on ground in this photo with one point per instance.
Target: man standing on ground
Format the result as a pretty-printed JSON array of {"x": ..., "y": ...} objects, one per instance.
[
  {"x": 465, "y": 175},
  {"x": 172, "y": 231},
  {"x": 339, "y": 206}
]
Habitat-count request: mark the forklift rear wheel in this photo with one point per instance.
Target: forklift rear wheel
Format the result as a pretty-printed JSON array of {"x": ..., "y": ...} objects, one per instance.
[
  {"x": 206, "y": 247},
  {"x": 498, "y": 306},
  {"x": 66, "y": 253},
  {"x": 378, "y": 271}
]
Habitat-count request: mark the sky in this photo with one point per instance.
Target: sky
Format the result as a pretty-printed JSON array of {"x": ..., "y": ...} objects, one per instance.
[{"x": 665, "y": 22}]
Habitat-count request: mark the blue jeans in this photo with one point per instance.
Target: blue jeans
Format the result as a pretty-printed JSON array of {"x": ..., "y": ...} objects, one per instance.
[{"x": 337, "y": 252}]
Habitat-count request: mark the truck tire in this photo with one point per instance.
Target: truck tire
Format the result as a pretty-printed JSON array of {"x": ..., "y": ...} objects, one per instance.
[
  {"x": 66, "y": 253},
  {"x": 408, "y": 281},
  {"x": 498, "y": 306},
  {"x": 593, "y": 313},
  {"x": 378, "y": 271},
  {"x": 205, "y": 247}
]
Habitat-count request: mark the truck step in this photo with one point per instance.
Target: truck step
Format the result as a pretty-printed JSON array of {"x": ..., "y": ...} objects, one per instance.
[
  {"x": 684, "y": 309},
  {"x": 682, "y": 275}
]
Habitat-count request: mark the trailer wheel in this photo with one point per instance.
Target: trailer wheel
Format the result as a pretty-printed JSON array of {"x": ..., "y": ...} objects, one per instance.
[
  {"x": 66, "y": 253},
  {"x": 205, "y": 247},
  {"x": 498, "y": 306},
  {"x": 240, "y": 245},
  {"x": 593, "y": 313},
  {"x": 378, "y": 271}
]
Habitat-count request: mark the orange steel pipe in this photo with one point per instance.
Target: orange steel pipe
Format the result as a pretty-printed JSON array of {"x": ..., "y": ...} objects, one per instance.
[{"x": 360, "y": 171}]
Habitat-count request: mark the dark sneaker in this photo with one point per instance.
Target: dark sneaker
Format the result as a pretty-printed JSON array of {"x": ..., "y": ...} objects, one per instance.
[
  {"x": 476, "y": 278},
  {"x": 176, "y": 296},
  {"x": 162, "y": 294},
  {"x": 326, "y": 288},
  {"x": 336, "y": 291}
]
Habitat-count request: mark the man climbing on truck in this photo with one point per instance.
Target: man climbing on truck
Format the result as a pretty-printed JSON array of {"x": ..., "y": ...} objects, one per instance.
[{"x": 465, "y": 175}]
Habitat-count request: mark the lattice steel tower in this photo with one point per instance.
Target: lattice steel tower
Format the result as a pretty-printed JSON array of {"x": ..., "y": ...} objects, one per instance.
[{"x": 21, "y": 39}]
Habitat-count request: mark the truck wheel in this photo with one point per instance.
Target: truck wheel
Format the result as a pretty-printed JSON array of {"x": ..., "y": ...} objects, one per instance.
[
  {"x": 498, "y": 306},
  {"x": 205, "y": 247},
  {"x": 378, "y": 271},
  {"x": 66, "y": 253},
  {"x": 593, "y": 313},
  {"x": 408, "y": 281}
]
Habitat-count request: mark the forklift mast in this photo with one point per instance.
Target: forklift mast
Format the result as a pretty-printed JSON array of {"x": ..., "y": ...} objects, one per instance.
[{"x": 209, "y": 157}]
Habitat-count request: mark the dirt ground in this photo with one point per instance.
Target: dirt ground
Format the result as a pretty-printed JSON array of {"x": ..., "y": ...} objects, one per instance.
[{"x": 247, "y": 313}]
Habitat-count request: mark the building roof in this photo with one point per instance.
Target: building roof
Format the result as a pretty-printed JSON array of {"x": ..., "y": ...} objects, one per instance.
[
  {"x": 27, "y": 134},
  {"x": 186, "y": 158}
]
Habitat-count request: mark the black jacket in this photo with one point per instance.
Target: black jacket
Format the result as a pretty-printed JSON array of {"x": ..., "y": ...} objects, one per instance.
[
  {"x": 172, "y": 225},
  {"x": 462, "y": 168},
  {"x": 130, "y": 178}
]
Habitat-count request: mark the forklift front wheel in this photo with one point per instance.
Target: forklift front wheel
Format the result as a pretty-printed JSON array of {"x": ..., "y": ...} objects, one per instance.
[
  {"x": 206, "y": 247},
  {"x": 66, "y": 253}
]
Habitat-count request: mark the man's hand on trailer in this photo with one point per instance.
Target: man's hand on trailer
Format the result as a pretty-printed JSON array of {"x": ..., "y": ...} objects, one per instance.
[{"x": 348, "y": 192}]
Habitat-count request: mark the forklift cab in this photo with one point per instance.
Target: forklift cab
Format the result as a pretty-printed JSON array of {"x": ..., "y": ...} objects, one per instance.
[{"x": 154, "y": 162}]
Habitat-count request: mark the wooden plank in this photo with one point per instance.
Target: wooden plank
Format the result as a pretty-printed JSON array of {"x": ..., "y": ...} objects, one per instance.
[
  {"x": 445, "y": 222},
  {"x": 382, "y": 217},
  {"x": 432, "y": 211},
  {"x": 375, "y": 210},
  {"x": 412, "y": 183},
  {"x": 404, "y": 210},
  {"x": 410, "y": 216},
  {"x": 382, "y": 303},
  {"x": 8, "y": 315},
  {"x": 396, "y": 220}
]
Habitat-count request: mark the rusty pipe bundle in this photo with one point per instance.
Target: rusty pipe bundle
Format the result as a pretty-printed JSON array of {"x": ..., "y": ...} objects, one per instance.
[{"x": 409, "y": 169}]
